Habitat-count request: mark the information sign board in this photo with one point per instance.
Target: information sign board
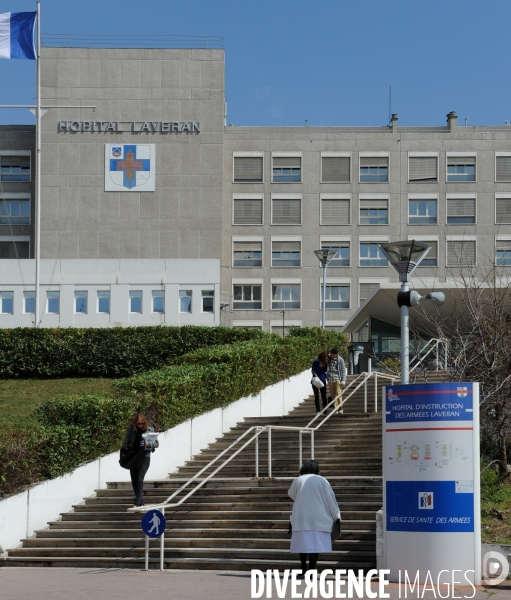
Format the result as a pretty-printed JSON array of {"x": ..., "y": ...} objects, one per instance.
[{"x": 431, "y": 479}]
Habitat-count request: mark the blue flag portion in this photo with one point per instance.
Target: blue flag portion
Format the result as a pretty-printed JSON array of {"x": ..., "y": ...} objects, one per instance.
[{"x": 17, "y": 35}]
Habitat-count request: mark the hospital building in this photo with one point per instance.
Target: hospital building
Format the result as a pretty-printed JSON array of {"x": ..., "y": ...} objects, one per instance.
[{"x": 156, "y": 210}]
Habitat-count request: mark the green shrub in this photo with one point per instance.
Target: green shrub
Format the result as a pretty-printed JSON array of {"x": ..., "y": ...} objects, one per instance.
[
  {"x": 76, "y": 429},
  {"x": 106, "y": 352}
]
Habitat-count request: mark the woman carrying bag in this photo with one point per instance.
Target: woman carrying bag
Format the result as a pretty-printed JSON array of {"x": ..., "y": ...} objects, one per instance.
[
  {"x": 319, "y": 368},
  {"x": 136, "y": 454}
]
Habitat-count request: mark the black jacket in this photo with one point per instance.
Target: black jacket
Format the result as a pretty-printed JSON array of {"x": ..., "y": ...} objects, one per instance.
[{"x": 132, "y": 440}]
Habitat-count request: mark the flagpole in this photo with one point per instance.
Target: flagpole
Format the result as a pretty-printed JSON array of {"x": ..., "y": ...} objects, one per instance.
[{"x": 38, "y": 170}]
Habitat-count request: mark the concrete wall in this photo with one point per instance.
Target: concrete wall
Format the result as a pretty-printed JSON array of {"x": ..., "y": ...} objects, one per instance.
[
  {"x": 21, "y": 515},
  {"x": 182, "y": 218}
]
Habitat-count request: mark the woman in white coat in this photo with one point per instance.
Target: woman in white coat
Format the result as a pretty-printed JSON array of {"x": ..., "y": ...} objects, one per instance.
[{"x": 315, "y": 510}]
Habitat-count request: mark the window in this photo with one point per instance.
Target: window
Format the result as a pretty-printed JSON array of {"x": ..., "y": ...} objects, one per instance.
[
  {"x": 248, "y": 169},
  {"x": 285, "y": 296},
  {"x": 503, "y": 210},
  {"x": 374, "y": 169},
  {"x": 247, "y": 254},
  {"x": 14, "y": 249},
  {"x": 336, "y": 296},
  {"x": 431, "y": 258},
  {"x": 29, "y": 302},
  {"x": 422, "y": 169},
  {"x": 135, "y": 301},
  {"x": 503, "y": 168},
  {"x": 461, "y": 253},
  {"x": 14, "y": 168},
  {"x": 335, "y": 211},
  {"x": 286, "y": 211},
  {"x": 335, "y": 169},
  {"x": 7, "y": 302},
  {"x": 285, "y": 254},
  {"x": 248, "y": 211},
  {"x": 287, "y": 169},
  {"x": 104, "y": 302},
  {"x": 461, "y": 210},
  {"x": 81, "y": 302},
  {"x": 53, "y": 303},
  {"x": 371, "y": 255},
  {"x": 185, "y": 301},
  {"x": 158, "y": 301},
  {"x": 247, "y": 297},
  {"x": 281, "y": 330},
  {"x": 422, "y": 212},
  {"x": 461, "y": 168},
  {"x": 342, "y": 253},
  {"x": 14, "y": 212},
  {"x": 503, "y": 253},
  {"x": 208, "y": 301},
  {"x": 366, "y": 290},
  {"x": 374, "y": 212}
]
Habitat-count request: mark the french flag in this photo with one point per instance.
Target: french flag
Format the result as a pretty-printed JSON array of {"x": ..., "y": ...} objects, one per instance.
[{"x": 17, "y": 35}]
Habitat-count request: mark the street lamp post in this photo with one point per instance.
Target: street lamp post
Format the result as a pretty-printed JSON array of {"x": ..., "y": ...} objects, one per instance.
[
  {"x": 325, "y": 256},
  {"x": 404, "y": 257}
]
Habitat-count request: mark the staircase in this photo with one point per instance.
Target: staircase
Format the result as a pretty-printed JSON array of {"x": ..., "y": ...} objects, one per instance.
[{"x": 233, "y": 522}]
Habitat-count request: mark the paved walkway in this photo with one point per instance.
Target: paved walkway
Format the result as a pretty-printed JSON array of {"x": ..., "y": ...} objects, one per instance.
[{"x": 122, "y": 584}]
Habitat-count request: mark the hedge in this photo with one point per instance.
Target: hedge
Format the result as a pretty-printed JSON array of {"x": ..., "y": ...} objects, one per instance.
[
  {"x": 113, "y": 352},
  {"x": 76, "y": 429}
]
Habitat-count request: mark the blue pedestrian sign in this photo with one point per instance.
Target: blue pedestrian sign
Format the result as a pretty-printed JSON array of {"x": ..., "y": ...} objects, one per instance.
[{"x": 153, "y": 523}]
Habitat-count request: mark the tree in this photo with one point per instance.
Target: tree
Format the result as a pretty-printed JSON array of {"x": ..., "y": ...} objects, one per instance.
[{"x": 475, "y": 324}]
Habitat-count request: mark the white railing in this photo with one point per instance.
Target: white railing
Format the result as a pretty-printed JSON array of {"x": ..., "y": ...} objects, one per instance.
[
  {"x": 433, "y": 348},
  {"x": 257, "y": 431}
]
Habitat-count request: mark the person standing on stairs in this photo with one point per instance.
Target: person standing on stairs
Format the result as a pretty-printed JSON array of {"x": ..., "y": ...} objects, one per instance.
[
  {"x": 132, "y": 441},
  {"x": 315, "y": 510},
  {"x": 336, "y": 377},
  {"x": 319, "y": 368}
]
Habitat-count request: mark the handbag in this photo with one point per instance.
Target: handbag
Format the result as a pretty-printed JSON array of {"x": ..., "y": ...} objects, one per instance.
[
  {"x": 316, "y": 381},
  {"x": 336, "y": 530},
  {"x": 132, "y": 459}
]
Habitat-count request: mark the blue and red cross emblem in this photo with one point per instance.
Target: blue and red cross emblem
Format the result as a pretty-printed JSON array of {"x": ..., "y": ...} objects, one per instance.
[{"x": 129, "y": 164}]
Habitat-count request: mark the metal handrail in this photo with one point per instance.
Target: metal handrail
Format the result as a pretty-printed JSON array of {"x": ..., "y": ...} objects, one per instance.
[
  {"x": 363, "y": 377},
  {"x": 433, "y": 344}
]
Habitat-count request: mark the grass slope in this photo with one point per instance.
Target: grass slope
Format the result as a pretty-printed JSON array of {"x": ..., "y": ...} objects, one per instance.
[{"x": 19, "y": 397}]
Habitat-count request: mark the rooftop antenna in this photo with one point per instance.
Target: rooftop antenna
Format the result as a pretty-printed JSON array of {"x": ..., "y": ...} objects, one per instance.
[{"x": 390, "y": 104}]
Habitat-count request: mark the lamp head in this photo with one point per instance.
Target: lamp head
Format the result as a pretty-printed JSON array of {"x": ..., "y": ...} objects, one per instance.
[
  {"x": 438, "y": 298},
  {"x": 405, "y": 256},
  {"x": 324, "y": 255}
]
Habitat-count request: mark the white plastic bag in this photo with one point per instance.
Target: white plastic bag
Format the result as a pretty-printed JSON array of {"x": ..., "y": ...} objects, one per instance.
[{"x": 316, "y": 381}]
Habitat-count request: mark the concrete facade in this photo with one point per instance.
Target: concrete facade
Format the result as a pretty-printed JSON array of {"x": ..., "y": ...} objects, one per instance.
[
  {"x": 113, "y": 292},
  {"x": 190, "y": 213}
]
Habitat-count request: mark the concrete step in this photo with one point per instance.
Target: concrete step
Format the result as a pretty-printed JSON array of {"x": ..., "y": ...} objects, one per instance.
[
  {"x": 356, "y": 535},
  {"x": 232, "y": 564}
]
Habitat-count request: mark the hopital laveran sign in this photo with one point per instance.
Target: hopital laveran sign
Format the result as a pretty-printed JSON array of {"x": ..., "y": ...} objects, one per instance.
[{"x": 129, "y": 126}]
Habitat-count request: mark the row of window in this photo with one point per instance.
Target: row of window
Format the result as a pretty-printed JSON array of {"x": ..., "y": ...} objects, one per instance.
[
  {"x": 288, "y": 296},
  {"x": 422, "y": 210},
  {"x": 336, "y": 167},
  {"x": 333, "y": 211},
  {"x": 249, "y": 254},
  {"x": 458, "y": 253},
  {"x": 102, "y": 302}
]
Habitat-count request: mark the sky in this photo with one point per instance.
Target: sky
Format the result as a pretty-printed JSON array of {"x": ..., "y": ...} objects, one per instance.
[{"x": 330, "y": 62}]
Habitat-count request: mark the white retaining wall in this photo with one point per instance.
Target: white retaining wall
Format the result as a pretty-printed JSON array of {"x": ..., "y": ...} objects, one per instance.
[{"x": 21, "y": 515}]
